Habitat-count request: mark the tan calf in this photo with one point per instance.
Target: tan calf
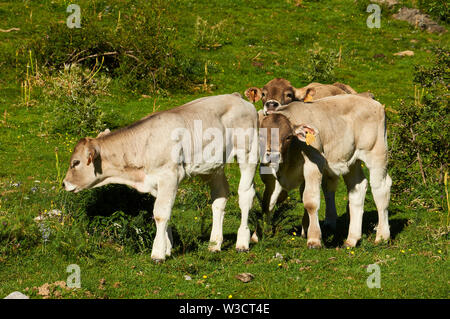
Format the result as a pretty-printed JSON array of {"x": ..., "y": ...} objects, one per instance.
[
  {"x": 279, "y": 92},
  {"x": 149, "y": 156},
  {"x": 318, "y": 142}
]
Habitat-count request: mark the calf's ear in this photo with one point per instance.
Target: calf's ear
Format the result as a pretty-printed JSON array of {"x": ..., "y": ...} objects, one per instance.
[
  {"x": 306, "y": 133},
  {"x": 253, "y": 94},
  {"x": 93, "y": 152},
  {"x": 305, "y": 94},
  {"x": 105, "y": 132},
  {"x": 367, "y": 95}
]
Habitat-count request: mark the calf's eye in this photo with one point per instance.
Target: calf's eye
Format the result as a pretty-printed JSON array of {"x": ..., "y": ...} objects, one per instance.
[{"x": 75, "y": 163}]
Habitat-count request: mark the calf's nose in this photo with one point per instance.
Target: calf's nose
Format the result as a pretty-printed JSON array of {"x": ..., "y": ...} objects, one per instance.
[{"x": 272, "y": 104}]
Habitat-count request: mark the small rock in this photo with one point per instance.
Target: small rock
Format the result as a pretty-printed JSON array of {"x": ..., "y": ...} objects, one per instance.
[
  {"x": 16, "y": 295},
  {"x": 305, "y": 268},
  {"x": 418, "y": 19},
  {"x": 405, "y": 53},
  {"x": 278, "y": 256},
  {"x": 245, "y": 277}
]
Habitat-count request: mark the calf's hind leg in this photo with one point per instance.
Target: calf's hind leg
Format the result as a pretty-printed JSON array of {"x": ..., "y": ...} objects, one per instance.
[
  {"x": 357, "y": 186},
  {"x": 380, "y": 183},
  {"x": 219, "y": 192},
  {"x": 246, "y": 193}
]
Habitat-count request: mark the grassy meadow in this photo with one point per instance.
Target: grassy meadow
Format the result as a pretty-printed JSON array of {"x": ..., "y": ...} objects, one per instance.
[{"x": 216, "y": 47}]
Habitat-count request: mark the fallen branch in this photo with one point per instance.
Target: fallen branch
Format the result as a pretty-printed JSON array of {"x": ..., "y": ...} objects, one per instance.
[
  {"x": 73, "y": 57},
  {"x": 9, "y": 30},
  {"x": 96, "y": 55},
  {"x": 132, "y": 56}
]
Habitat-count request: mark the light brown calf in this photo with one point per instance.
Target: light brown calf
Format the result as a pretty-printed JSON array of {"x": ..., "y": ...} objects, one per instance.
[
  {"x": 319, "y": 141},
  {"x": 148, "y": 155},
  {"x": 279, "y": 92}
]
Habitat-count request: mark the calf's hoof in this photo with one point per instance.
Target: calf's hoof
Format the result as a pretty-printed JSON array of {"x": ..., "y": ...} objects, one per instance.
[
  {"x": 382, "y": 236},
  {"x": 242, "y": 250},
  {"x": 243, "y": 239},
  {"x": 158, "y": 260},
  {"x": 254, "y": 238},
  {"x": 213, "y": 247},
  {"x": 379, "y": 240},
  {"x": 350, "y": 242},
  {"x": 314, "y": 243}
]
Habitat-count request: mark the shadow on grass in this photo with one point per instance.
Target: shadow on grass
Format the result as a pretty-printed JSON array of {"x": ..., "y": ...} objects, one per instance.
[
  {"x": 335, "y": 238},
  {"x": 107, "y": 200},
  {"x": 370, "y": 220}
]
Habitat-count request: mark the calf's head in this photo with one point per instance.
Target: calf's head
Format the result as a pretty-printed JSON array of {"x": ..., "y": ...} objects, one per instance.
[
  {"x": 277, "y": 92},
  {"x": 85, "y": 166},
  {"x": 276, "y": 135}
]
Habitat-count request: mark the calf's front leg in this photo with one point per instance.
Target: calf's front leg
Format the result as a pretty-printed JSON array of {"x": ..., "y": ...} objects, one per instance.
[
  {"x": 167, "y": 190},
  {"x": 311, "y": 202}
]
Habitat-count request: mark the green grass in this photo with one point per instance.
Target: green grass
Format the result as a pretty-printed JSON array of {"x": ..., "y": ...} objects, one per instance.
[{"x": 277, "y": 35}]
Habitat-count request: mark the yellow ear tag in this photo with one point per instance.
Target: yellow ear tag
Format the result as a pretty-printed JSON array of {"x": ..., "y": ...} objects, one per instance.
[
  {"x": 309, "y": 138},
  {"x": 308, "y": 98}
]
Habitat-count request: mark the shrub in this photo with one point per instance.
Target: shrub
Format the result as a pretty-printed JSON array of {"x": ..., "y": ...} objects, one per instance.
[
  {"x": 420, "y": 135},
  {"x": 208, "y": 36},
  {"x": 320, "y": 66},
  {"x": 135, "y": 42},
  {"x": 72, "y": 95},
  {"x": 436, "y": 8}
]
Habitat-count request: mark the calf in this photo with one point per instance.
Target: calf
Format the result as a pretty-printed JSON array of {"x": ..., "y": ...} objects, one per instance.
[
  {"x": 154, "y": 155},
  {"x": 279, "y": 92},
  {"x": 316, "y": 143}
]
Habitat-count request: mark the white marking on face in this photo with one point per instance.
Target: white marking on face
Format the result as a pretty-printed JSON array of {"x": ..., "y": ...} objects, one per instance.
[{"x": 69, "y": 186}]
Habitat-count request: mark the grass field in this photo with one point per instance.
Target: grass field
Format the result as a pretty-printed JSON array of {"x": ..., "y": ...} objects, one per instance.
[{"x": 249, "y": 43}]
